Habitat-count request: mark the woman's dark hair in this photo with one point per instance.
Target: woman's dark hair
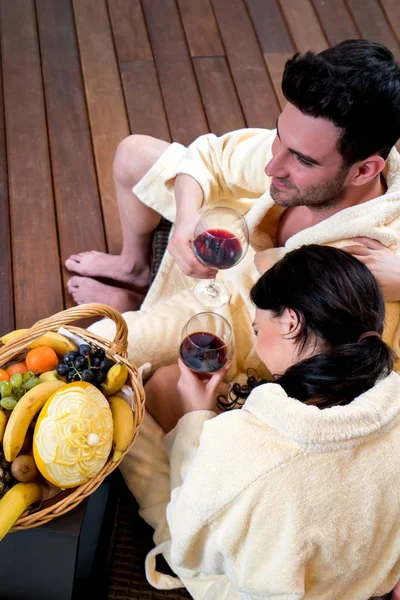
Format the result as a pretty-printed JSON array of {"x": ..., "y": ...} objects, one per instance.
[
  {"x": 336, "y": 300},
  {"x": 356, "y": 85}
]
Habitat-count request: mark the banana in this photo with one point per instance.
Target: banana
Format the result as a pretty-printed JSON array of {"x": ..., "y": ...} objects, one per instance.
[
  {"x": 10, "y": 337},
  {"x": 60, "y": 344},
  {"x": 15, "y": 502},
  {"x": 3, "y": 423},
  {"x": 124, "y": 425},
  {"x": 29, "y": 405},
  {"x": 116, "y": 378}
]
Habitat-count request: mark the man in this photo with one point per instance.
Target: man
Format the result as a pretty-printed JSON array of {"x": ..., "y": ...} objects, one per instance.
[{"x": 328, "y": 153}]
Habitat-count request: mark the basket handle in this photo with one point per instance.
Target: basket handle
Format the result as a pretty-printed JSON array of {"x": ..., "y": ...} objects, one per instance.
[{"x": 94, "y": 309}]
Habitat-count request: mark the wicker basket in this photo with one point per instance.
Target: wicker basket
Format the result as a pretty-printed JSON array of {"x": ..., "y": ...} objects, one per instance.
[{"x": 66, "y": 500}]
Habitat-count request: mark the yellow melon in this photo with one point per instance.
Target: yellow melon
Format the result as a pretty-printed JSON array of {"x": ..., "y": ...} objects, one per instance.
[{"x": 73, "y": 435}]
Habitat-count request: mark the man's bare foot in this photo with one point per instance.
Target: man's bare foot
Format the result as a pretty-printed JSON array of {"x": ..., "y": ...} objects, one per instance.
[
  {"x": 109, "y": 266},
  {"x": 86, "y": 289}
]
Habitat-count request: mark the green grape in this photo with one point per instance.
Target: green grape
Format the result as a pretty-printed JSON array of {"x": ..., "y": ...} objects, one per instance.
[
  {"x": 6, "y": 388},
  {"x": 27, "y": 375},
  {"x": 16, "y": 380},
  {"x": 31, "y": 383},
  {"x": 8, "y": 402},
  {"x": 18, "y": 393}
]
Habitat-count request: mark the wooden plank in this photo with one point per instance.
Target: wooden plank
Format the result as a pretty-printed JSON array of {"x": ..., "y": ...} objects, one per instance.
[
  {"x": 336, "y": 20},
  {"x": 129, "y": 29},
  {"x": 254, "y": 87},
  {"x": 276, "y": 64},
  {"x": 372, "y": 23},
  {"x": 219, "y": 95},
  {"x": 37, "y": 285},
  {"x": 6, "y": 279},
  {"x": 392, "y": 11},
  {"x": 143, "y": 97},
  {"x": 182, "y": 100},
  {"x": 79, "y": 216},
  {"x": 105, "y": 101},
  {"x": 200, "y": 28},
  {"x": 272, "y": 31},
  {"x": 304, "y": 25}
]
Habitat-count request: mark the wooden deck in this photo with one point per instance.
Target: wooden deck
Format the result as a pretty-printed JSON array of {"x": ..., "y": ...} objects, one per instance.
[{"x": 78, "y": 76}]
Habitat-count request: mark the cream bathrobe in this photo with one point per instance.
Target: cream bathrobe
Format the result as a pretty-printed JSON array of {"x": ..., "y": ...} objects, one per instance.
[
  {"x": 280, "y": 500},
  {"x": 230, "y": 170}
]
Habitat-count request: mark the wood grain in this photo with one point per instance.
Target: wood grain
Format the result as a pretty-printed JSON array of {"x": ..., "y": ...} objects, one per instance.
[
  {"x": 78, "y": 206},
  {"x": 37, "y": 281},
  {"x": 105, "y": 102},
  {"x": 304, "y": 26},
  {"x": 181, "y": 95},
  {"x": 219, "y": 95},
  {"x": 201, "y": 29},
  {"x": 250, "y": 75}
]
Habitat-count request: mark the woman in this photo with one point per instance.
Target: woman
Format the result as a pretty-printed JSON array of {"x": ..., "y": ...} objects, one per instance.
[{"x": 297, "y": 494}]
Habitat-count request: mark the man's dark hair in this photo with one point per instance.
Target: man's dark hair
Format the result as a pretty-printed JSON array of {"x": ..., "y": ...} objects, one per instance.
[{"x": 356, "y": 85}]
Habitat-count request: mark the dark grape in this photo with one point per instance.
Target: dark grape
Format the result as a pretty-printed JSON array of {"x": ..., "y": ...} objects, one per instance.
[
  {"x": 72, "y": 376},
  {"x": 80, "y": 363},
  {"x": 99, "y": 353},
  {"x": 62, "y": 369},
  {"x": 85, "y": 350},
  {"x": 88, "y": 375},
  {"x": 70, "y": 357},
  {"x": 95, "y": 362},
  {"x": 106, "y": 364},
  {"x": 100, "y": 376}
]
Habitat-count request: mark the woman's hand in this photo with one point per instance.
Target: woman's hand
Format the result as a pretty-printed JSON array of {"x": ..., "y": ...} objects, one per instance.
[
  {"x": 382, "y": 262},
  {"x": 196, "y": 394}
]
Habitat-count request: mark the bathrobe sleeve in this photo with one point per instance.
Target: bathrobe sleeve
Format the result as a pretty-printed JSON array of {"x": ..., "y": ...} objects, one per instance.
[{"x": 231, "y": 166}]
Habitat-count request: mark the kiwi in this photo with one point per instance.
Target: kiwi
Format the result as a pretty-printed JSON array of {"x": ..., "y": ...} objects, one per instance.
[{"x": 24, "y": 469}]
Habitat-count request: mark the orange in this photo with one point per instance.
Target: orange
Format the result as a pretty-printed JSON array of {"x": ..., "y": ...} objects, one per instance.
[
  {"x": 19, "y": 367},
  {"x": 41, "y": 359},
  {"x": 4, "y": 376}
]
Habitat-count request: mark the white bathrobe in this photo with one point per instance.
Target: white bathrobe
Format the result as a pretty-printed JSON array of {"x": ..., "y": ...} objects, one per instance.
[{"x": 279, "y": 500}]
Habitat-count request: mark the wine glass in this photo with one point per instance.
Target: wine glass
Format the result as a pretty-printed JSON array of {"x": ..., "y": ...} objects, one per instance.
[
  {"x": 221, "y": 239},
  {"x": 207, "y": 343}
]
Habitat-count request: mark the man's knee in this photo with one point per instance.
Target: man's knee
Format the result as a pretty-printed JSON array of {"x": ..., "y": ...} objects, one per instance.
[{"x": 135, "y": 155}]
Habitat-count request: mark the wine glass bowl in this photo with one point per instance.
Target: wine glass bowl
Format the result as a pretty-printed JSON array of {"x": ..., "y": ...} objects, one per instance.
[
  {"x": 221, "y": 239},
  {"x": 206, "y": 344}
]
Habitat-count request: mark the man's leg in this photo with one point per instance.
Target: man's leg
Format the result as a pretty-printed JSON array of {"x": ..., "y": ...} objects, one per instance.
[{"x": 134, "y": 158}]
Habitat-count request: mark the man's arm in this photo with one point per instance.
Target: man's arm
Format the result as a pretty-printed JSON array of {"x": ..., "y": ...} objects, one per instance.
[{"x": 215, "y": 170}]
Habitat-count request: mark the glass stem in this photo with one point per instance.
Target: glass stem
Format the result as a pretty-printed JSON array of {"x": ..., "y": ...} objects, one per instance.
[{"x": 212, "y": 289}]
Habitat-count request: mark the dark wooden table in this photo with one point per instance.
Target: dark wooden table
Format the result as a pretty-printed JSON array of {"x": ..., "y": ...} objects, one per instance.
[{"x": 66, "y": 559}]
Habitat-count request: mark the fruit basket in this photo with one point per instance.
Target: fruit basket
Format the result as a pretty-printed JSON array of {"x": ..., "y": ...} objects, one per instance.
[{"x": 66, "y": 499}]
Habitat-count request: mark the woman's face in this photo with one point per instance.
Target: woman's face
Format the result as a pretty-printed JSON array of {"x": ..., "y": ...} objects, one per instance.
[{"x": 276, "y": 344}]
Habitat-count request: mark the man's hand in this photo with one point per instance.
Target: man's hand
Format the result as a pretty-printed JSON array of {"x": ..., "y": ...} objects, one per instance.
[
  {"x": 180, "y": 247},
  {"x": 189, "y": 198},
  {"x": 382, "y": 262},
  {"x": 196, "y": 394}
]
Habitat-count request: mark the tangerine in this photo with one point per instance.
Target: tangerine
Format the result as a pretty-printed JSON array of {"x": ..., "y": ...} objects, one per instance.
[
  {"x": 41, "y": 359},
  {"x": 19, "y": 367},
  {"x": 4, "y": 376}
]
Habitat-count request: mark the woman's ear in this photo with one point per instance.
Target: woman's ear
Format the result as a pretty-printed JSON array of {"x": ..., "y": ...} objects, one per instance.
[{"x": 289, "y": 322}]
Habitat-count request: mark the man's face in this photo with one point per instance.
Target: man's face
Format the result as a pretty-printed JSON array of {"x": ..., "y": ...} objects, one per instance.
[{"x": 306, "y": 167}]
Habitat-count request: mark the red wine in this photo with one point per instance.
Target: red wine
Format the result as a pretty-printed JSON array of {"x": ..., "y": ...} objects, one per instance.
[
  {"x": 203, "y": 352},
  {"x": 218, "y": 248}
]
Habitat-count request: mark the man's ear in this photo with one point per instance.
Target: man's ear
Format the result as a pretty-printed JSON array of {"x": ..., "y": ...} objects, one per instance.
[{"x": 366, "y": 170}]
